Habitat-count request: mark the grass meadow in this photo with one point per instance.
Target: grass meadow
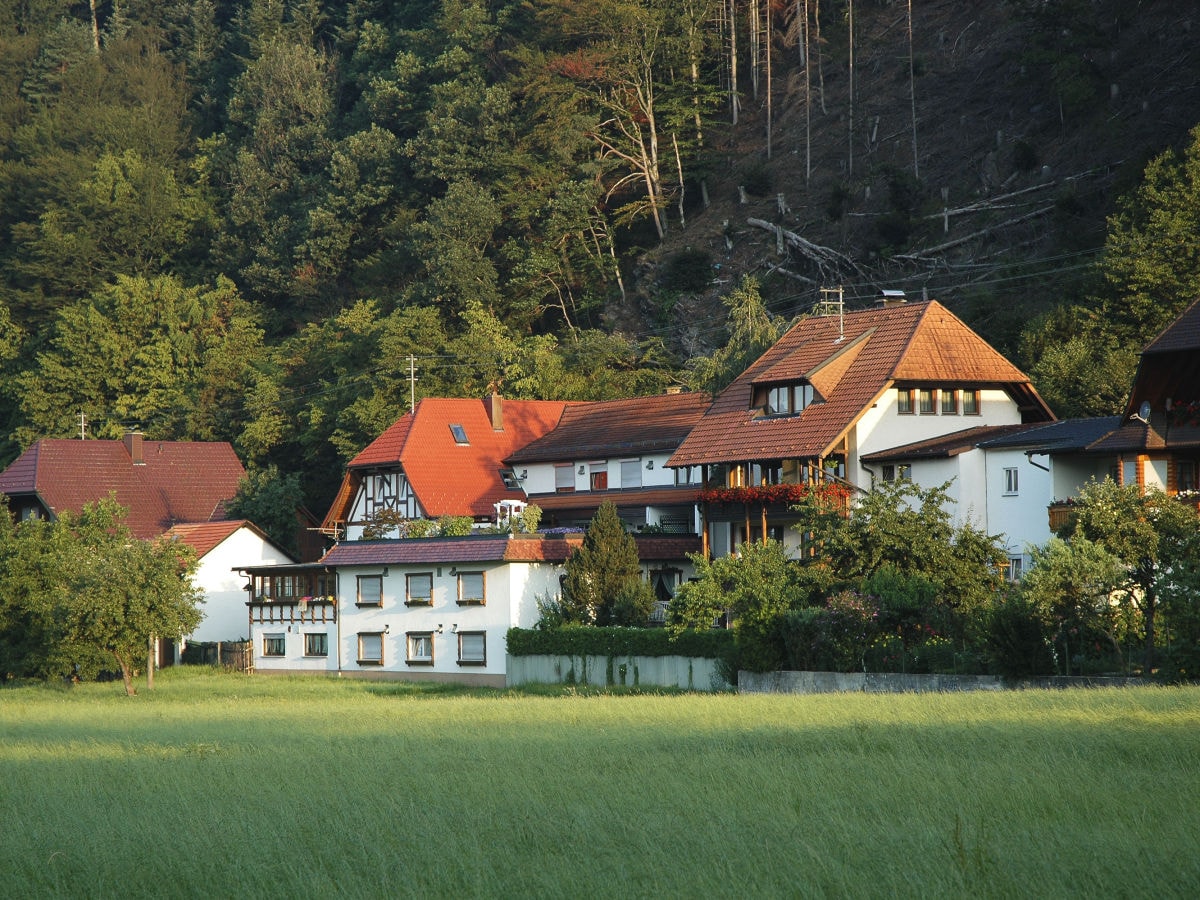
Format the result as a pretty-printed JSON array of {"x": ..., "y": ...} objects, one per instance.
[{"x": 231, "y": 785}]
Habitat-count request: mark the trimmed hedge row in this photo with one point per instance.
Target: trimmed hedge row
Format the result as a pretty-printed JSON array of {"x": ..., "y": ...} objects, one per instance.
[{"x": 588, "y": 640}]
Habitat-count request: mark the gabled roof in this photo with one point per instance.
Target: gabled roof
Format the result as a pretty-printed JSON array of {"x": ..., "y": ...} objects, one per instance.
[
  {"x": 450, "y": 477},
  {"x": 491, "y": 548},
  {"x": 1182, "y": 334},
  {"x": 1169, "y": 369},
  {"x": 177, "y": 481},
  {"x": 204, "y": 537},
  {"x": 850, "y": 361},
  {"x": 612, "y": 428},
  {"x": 946, "y": 445}
]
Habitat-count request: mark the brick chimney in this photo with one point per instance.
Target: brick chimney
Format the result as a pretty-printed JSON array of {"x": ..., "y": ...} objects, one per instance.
[
  {"x": 133, "y": 445},
  {"x": 494, "y": 404}
]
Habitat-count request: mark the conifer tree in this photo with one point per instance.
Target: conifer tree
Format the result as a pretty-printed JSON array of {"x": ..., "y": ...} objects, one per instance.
[{"x": 603, "y": 583}]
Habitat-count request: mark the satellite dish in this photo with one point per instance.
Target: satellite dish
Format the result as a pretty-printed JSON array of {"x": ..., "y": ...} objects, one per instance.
[{"x": 1144, "y": 410}]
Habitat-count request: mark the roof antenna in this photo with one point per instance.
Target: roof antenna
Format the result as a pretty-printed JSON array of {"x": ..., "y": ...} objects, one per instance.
[
  {"x": 82, "y": 426},
  {"x": 833, "y": 301}
]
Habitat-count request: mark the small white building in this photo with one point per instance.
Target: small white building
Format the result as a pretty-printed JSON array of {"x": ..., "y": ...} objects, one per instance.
[
  {"x": 221, "y": 549},
  {"x": 420, "y": 608}
]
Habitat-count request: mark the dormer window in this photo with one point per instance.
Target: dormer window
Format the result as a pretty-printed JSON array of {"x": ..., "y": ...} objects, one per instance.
[
  {"x": 460, "y": 435},
  {"x": 788, "y": 399}
]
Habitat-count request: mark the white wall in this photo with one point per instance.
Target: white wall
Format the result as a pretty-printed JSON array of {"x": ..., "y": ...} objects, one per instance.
[
  {"x": 225, "y": 615},
  {"x": 540, "y": 477},
  {"x": 1022, "y": 518},
  {"x": 511, "y": 591},
  {"x": 882, "y": 428}
]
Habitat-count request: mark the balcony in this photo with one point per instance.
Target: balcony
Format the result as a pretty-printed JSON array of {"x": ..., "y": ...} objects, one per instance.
[
  {"x": 1060, "y": 513},
  {"x": 836, "y": 495}
]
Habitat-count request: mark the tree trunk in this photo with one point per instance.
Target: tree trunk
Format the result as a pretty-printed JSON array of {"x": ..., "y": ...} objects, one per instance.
[
  {"x": 766, "y": 19},
  {"x": 126, "y": 665},
  {"x": 850, "y": 141},
  {"x": 912, "y": 91},
  {"x": 733, "y": 62}
]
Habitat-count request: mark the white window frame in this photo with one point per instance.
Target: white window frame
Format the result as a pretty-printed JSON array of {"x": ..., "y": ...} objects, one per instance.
[
  {"x": 1016, "y": 568},
  {"x": 598, "y": 476},
  {"x": 1012, "y": 481},
  {"x": 418, "y": 648}
]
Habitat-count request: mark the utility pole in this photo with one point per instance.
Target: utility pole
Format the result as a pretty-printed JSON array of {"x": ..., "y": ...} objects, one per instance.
[{"x": 412, "y": 382}]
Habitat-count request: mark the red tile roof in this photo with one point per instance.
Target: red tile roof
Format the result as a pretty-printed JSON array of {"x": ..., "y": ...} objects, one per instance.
[
  {"x": 914, "y": 343},
  {"x": 178, "y": 481},
  {"x": 204, "y": 537},
  {"x": 449, "y": 478},
  {"x": 608, "y": 428}
]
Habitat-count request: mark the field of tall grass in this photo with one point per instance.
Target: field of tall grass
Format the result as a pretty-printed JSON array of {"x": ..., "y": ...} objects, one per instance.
[{"x": 231, "y": 785}]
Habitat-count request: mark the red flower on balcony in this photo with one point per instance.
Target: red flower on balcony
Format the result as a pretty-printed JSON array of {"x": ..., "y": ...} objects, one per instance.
[{"x": 776, "y": 493}]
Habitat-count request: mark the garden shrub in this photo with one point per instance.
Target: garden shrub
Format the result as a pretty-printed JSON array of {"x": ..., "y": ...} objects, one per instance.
[{"x": 1017, "y": 639}]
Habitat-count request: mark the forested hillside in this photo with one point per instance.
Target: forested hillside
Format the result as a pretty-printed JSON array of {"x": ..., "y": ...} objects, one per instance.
[{"x": 277, "y": 223}]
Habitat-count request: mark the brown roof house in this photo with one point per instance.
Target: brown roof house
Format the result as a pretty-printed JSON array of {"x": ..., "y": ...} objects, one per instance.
[
  {"x": 177, "y": 488},
  {"x": 825, "y": 405},
  {"x": 615, "y": 451}
]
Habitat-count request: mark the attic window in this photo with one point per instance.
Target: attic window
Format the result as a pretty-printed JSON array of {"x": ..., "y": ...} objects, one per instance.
[
  {"x": 460, "y": 435},
  {"x": 788, "y": 399},
  {"x": 509, "y": 477}
]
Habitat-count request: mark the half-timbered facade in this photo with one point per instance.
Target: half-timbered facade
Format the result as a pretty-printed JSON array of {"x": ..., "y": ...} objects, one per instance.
[{"x": 445, "y": 458}]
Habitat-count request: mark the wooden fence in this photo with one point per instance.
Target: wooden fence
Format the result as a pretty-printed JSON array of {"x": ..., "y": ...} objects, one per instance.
[{"x": 233, "y": 655}]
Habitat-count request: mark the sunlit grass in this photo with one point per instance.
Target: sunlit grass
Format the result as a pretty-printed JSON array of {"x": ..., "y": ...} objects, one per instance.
[{"x": 256, "y": 786}]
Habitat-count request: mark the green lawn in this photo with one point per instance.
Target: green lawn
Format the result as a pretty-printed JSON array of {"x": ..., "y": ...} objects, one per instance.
[{"x": 227, "y": 785}]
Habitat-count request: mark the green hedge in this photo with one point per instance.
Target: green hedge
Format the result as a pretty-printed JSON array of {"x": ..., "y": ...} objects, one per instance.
[{"x": 587, "y": 640}]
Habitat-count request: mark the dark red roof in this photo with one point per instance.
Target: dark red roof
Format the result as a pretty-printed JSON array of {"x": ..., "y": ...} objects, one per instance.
[
  {"x": 850, "y": 361},
  {"x": 450, "y": 478},
  {"x": 655, "y": 424},
  {"x": 176, "y": 482},
  {"x": 492, "y": 548}
]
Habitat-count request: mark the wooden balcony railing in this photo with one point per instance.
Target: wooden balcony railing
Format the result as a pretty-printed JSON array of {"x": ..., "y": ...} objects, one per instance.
[{"x": 1060, "y": 513}]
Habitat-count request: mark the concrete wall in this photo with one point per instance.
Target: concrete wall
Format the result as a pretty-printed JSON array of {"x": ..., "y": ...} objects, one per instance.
[
  {"x": 631, "y": 671},
  {"x": 881, "y": 683}
]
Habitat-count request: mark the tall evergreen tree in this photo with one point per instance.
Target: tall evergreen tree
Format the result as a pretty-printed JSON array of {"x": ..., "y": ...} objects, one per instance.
[{"x": 603, "y": 584}]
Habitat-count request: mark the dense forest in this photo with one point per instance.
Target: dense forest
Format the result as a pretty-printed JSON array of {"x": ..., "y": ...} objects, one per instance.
[{"x": 279, "y": 223}]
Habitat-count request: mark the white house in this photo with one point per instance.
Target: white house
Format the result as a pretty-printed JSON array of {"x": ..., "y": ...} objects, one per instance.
[
  {"x": 222, "y": 548},
  {"x": 831, "y": 399},
  {"x": 418, "y": 608}
]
